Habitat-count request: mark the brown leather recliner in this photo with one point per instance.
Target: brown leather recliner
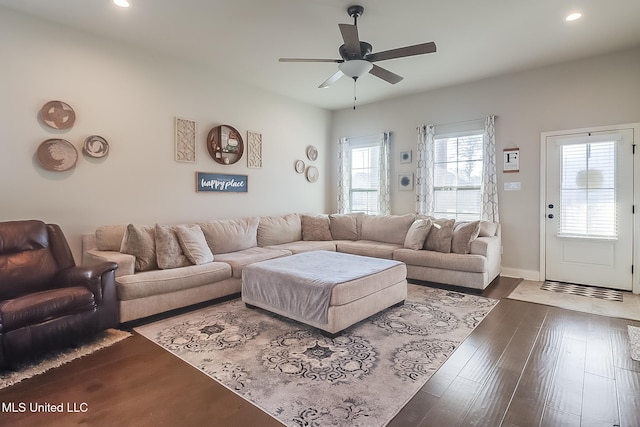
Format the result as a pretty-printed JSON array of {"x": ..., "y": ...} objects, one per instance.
[{"x": 46, "y": 302}]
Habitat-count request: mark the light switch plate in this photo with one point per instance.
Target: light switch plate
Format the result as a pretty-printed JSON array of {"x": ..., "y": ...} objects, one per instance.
[{"x": 511, "y": 186}]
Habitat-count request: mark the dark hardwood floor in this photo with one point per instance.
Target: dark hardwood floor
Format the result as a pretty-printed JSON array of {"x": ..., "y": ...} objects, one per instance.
[{"x": 524, "y": 365}]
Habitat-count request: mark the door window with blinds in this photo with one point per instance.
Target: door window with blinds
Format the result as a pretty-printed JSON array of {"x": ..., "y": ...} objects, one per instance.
[
  {"x": 588, "y": 190},
  {"x": 365, "y": 158},
  {"x": 457, "y": 180}
]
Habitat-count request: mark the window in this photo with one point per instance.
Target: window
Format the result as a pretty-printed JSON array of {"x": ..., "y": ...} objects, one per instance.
[
  {"x": 456, "y": 173},
  {"x": 364, "y": 178},
  {"x": 457, "y": 176},
  {"x": 364, "y": 174},
  {"x": 588, "y": 190}
]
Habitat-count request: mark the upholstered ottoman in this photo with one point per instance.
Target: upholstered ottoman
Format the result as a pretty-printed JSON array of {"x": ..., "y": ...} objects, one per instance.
[{"x": 327, "y": 290}]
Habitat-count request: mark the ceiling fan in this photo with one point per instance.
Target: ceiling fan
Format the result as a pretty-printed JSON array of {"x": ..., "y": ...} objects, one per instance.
[{"x": 358, "y": 56}]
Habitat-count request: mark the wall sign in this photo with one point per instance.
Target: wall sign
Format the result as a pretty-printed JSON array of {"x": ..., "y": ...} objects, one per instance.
[
  {"x": 511, "y": 160},
  {"x": 220, "y": 182}
]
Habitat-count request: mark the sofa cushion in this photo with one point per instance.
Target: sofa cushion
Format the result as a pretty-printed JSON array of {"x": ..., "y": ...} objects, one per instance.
[
  {"x": 230, "y": 235},
  {"x": 169, "y": 253},
  {"x": 417, "y": 234},
  {"x": 42, "y": 306},
  {"x": 315, "y": 227},
  {"x": 343, "y": 226},
  {"x": 306, "y": 246},
  {"x": 238, "y": 260},
  {"x": 159, "y": 282},
  {"x": 194, "y": 244},
  {"x": 438, "y": 260},
  {"x": 109, "y": 237},
  {"x": 463, "y": 234},
  {"x": 275, "y": 230},
  {"x": 368, "y": 248},
  {"x": 140, "y": 241},
  {"x": 439, "y": 237},
  {"x": 386, "y": 228}
]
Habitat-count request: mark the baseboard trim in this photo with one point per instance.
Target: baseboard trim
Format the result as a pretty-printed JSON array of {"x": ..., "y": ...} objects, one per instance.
[{"x": 525, "y": 274}]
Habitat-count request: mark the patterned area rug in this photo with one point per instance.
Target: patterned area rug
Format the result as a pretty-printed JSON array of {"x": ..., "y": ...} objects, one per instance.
[
  {"x": 634, "y": 342},
  {"x": 585, "y": 291},
  {"x": 300, "y": 377},
  {"x": 102, "y": 340}
]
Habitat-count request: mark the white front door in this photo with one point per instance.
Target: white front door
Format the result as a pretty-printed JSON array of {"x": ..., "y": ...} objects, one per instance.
[{"x": 589, "y": 208}]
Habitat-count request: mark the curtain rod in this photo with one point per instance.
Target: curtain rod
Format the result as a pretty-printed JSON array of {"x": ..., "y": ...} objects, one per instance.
[
  {"x": 375, "y": 135},
  {"x": 459, "y": 122}
]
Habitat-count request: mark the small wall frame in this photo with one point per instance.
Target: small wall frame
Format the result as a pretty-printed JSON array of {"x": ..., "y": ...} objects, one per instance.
[
  {"x": 185, "y": 140},
  {"x": 405, "y": 156},
  {"x": 405, "y": 182},
  {"x": 511, "y": 160},
  {"x": 254, "y": 149}
]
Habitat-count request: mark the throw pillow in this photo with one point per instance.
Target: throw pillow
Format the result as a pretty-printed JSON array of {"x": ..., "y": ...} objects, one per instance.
[
  {"x": 169, "y": 253},
  {"x": 140, "y": 241},
  {"x": 109, "y": 237},
  {"x": 463, "y": 234},
  {"x": 417, "y": 234},
  {"x": 439, "y": 237},
  {"x": 315, "y": 227},
  {"x": 193, "y": 243},
  {"x": 343, "y": 227},
  {"x": 488, "y": 228}
]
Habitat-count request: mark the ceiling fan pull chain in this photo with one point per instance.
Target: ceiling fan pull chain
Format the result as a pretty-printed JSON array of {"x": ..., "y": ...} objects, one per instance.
[{"x": 355, "y": 83}]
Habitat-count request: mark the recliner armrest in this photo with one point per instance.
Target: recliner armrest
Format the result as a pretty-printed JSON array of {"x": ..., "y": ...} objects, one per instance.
[{"x": 90, "y": 276}]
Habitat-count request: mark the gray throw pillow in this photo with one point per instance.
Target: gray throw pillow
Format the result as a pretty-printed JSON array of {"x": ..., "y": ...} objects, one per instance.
[
  {"x": 417, "y": 234},
  {"x": 169, "y": 253},
  {"x": 439, "y": 237},
  {"x": 193, "y": 244},
  {"x": 315, "y": 227},
  {"x": 343, "y": 226},
  {"x": 140, "y": 241},
  {"x": 463, "y": 234}
]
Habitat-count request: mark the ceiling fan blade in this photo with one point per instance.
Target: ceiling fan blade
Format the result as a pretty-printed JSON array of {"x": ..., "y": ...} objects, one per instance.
[
  {"x": 418, "y": 49},
  {"x": 385, "y": 75},
  {"x": 309, "y": 60},
  {"x": 351, "y": 40},
  {"x": 331, "y": 80}
]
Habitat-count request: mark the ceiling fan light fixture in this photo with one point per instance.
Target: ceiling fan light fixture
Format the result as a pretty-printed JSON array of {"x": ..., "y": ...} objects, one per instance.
[
  {"x": 573, "y": 16},
  {"x": 355, "y": 68},
  {"x": 121, "y": 3}
]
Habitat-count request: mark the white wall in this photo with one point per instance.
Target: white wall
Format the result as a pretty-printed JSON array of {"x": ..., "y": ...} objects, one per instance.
[
  {"x": 130, "y": 97},
  {"x": 600, "y": 91}
]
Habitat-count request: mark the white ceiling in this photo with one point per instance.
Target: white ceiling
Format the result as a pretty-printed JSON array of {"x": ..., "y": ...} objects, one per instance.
[{"x": 243, "y": 39}]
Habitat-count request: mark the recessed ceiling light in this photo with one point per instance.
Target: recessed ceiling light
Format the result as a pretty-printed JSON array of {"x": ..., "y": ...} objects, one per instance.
[
  {"x": 573, "y": 16},
  {"x": 121, "y": 3}
]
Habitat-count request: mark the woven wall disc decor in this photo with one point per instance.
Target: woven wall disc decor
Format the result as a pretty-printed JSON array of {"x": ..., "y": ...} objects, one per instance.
[
  {"x": 95, "y": 146},
  {"x": 57, "y": 155},
  {"x": 58, "y": 115}
]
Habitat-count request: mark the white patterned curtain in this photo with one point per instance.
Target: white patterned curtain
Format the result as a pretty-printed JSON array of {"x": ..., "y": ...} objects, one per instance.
[
  {"x": 344, "y": 176},
  {"x": 424, "y": 173},
  {"x": 384, "y": 175},
  {"x": 489, "y": 209}
]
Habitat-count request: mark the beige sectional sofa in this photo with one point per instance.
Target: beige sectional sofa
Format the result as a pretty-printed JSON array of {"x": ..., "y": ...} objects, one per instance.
[{"x": 166, "y": 267}]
